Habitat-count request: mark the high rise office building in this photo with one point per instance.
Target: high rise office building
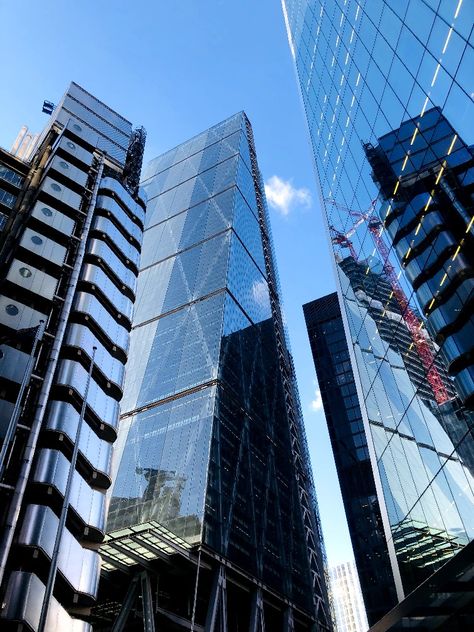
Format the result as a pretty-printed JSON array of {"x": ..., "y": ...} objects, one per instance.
[
  {"x": 369, "y": 74},
  {"x": 69, "y": 256},
  {"x": 212, "y": 513},
  {"x": 349, "y": 443},
  {"x": 347, "y": 598}
]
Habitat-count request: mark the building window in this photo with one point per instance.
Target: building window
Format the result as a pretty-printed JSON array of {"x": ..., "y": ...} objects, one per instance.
[
  {"x": 25, "y": 272},
  {"x": 12, "y": 310},
  {"x": 11, "y": 176},
  {"x": 7, "y": 198}
]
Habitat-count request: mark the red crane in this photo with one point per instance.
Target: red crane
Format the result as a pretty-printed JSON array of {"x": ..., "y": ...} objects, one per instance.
[{"x": 413, "y": 323}]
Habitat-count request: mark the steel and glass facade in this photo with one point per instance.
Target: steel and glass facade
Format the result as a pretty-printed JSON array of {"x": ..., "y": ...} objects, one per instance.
[
  {"x": 213, "y": 455},
  {"x": 387, "y": 92},
  {"x": 70, "y": 255},
  {"x": 349, "y": 443}
]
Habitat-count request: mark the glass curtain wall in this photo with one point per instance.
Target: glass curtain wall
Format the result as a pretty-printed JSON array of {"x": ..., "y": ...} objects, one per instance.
[
  {"x": 349, "y": 443},
  {"x": 391, "y": 84},
  {"x": 205, "y": 436}
]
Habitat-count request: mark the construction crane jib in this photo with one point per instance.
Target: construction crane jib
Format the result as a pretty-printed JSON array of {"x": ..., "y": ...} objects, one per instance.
[{"x": 413, "y": 323}]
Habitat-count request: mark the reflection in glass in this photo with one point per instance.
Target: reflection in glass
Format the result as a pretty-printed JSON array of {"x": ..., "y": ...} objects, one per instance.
[
  {"x": 387, "y": 89},
  {"x": 205, "y": 445}
]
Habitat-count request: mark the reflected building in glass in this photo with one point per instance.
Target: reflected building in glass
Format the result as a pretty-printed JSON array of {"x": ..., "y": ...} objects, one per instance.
[
  {"x": 213, "y": 500},
  {"x": 387, "y": 92}
]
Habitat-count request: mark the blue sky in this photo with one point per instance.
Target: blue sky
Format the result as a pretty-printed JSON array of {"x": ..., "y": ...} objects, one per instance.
[{"x": 178, "y": 67}]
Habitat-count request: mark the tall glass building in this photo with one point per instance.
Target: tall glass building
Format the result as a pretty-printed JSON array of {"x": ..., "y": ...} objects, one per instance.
[
  {"x": 69, "y": 253},
  {"x": 349, "y": 444},
  {"x": 387, "y": 92},
  {"x": 213, "y": 504}
]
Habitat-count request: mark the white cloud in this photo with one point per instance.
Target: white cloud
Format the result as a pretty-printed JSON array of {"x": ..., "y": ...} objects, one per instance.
[
  {"x": 317, "y": 402},
  {"x": 284, "y": 197},
  {"x": 260, "y": 293}
]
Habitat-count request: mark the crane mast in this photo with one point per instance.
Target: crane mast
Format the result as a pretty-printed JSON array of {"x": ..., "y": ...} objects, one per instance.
[{"x": 413, "y": 323}]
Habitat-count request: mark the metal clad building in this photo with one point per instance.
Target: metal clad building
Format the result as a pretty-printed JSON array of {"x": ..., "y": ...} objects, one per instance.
[{"x": 70, "y": 256}]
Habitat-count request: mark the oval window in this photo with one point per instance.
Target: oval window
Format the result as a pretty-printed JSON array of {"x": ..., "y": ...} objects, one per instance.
[
  {"x": 55, "y": 187},
  {"x": 71, "y": 145},
  {"x": 46, "y": 211},
  {"x": 77, "y": 127},
  {"x": 12, "y": 310},
  {"x": 37, "y": 240},
  {"x": 64, "y": 165},
  {"x": 25, "y": 272}
]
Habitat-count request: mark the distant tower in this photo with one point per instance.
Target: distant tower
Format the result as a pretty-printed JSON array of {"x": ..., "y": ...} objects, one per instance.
[
  {"x": 347, "y": 598},
  {"x": 24, "y": 144}
]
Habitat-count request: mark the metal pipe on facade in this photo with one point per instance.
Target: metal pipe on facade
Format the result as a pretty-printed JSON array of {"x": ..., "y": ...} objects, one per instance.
[
  {"x": 53, "y": 569},
  {"x": 30, "y": 448}
]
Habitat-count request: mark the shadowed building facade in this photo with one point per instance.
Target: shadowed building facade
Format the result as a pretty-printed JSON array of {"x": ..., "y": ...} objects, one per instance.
[
  {"x": 213, "y": 505},
  {"x": 346, "y": 430}
]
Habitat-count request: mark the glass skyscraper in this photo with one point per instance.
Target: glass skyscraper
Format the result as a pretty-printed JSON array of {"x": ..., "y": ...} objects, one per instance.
[
  {"x": 213, "y": 473},
  {"x": 387, "y": 93},
  {"x": 349, "y": 443}
]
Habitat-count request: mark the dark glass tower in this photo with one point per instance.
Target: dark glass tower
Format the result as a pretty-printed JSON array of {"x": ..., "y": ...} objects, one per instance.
[
  {"x": 213, "y": 473},
  {"x": 346, "y": 430},
  {"x": 387, "y": 94}
]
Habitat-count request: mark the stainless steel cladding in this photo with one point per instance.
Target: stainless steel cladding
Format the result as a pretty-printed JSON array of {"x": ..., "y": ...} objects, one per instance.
[
  {"x": 108, "y": 229},
  {"x": 109, "y": 205},
  {"x": 23, "y": 603},
  {"x": 63, "y": 418},
  {"x": 112, "y": 185},
  {"x": 61, "y": 193},
  {"x": 50, "y": 216},
  {"x": 91, "y": 307},
  {"x": 79, "y": 567},
  {"x": 102, "y": 251},
  {"x": 32, "y": 279},
  {"x": 89, "y": 504},
  {"x": 99, "y": 279},
  {"x": 73, "y": 375},
  {"x": 12, "y": 363},
  {"x": 74, "y": 267},
  {"x": 43, "y": 246},
  {"x": 16, "y": 315},
  {"x": 81, "y": 337}
]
